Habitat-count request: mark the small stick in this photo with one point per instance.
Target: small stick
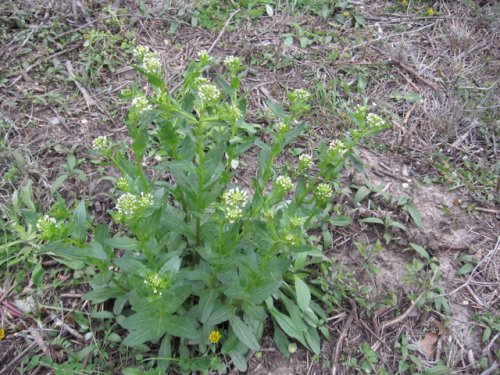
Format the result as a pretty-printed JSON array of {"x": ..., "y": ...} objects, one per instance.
[
  {"x": 340, "y": 341},
  {"x": 223, "y": 30},
  {"x": 6, "y": 369},
  {"x": 90, "y": 102}
]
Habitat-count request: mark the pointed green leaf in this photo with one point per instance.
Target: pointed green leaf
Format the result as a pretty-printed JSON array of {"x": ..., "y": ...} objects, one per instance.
[
  {"x": 303, "y": 293},
  {"x": 244, "y": 333}
]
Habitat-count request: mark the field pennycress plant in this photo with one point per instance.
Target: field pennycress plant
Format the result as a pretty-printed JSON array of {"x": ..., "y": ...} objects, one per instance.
[{"x": 202, "y": 259}]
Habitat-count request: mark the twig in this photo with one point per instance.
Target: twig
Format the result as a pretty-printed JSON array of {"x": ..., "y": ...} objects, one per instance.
[
  {"x": 6, "y": 369},
  {"x": 223, "y": 30},
  {"x": 340, "y": 341},
  {"x": 388, "y": 37},
  {"x": 41, "y": 61},
  {"x": 488, "y": 210},
  {"x": 491, "y": 370},
  {"x": 409, "y": 70},
  {"x": 90, "y": 102},
  {"x": 474, "y": 270}
]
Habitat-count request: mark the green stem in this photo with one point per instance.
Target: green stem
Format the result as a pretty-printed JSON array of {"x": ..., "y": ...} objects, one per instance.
[{"x": 201, "y": 159}]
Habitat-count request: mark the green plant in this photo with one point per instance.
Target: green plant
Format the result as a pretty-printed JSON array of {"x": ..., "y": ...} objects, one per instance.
[
  {"x": 70, "y": 171},
  {"x": 199, "y": 263}
]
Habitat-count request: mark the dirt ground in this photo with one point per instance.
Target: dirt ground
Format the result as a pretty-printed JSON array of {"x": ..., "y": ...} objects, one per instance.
[{"x": 433, "y": 76}]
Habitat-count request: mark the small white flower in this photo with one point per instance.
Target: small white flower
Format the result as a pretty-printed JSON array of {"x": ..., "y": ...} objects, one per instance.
[
  {"x": 323, "y": 193},
  {"x": 301, "y": 95},
  {"x": 146, "y": 200},
  {"x": 127, "y": 204},
  {"x": 374, "y": 121},
  {"x": 280, "y": 126},
  {"x": 338, "y": 146},
  {"x": 208, "y": 93},
  {"x": 140, "y": 102},
  {"x": 47, "y": 226},
  {"x": 232, "y": 63},
  {"x": 234, "y": 200},
  {"x": 204, "y": 57},
  {"x": 305, "y": 161},
  {"x": 284, "y": 183},
  {"x": 150, "y": 60},
  {"x": 101, "y": 144}
]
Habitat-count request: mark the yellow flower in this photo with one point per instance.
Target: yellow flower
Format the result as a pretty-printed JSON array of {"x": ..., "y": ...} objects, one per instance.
[
  {"x": 431, "y": 12},
  {"x": 2, "y": 334},
  {"x": 214, "y": 337},
  {"x": 346, "y": 14},
  {"x": 404, "y": 3}
]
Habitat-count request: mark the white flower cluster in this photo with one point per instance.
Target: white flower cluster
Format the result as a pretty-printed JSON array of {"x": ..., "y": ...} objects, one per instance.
[
  {"x": 233, "y": 63},
  {"x": 234, "y": 112},
  {"x": 156, "y": 282},
  {"x": 140, "y": 102},
  {"x": 323, "y": 193},
  {"x": 281, "y": 126},
  {"x": 208, "y": 93},
  {"x": 305, "y": 162},
  {"x": 338, "y": 146},
  {"x": 290, "y": 239},
  {"x": 361, "y": 109},
  {"x": 47, "y": 226},
  {"x": 301, "y": 95},
  {"x": 374, "y": 121},
  {"x": 150, "y": 60},
  {"x": 122, "y": 184},
  {"x": 101, "y": 144},
  {"x": 235, "y": 200},
  {"x": 204, "y": 57},
  {"x": 129, "y": 204},
  {"x": 284, "y": 183},
  {"x": 198, "y": 81}
]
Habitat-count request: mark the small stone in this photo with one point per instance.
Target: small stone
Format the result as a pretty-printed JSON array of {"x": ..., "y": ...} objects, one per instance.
[{"x": 405, "y": 185}]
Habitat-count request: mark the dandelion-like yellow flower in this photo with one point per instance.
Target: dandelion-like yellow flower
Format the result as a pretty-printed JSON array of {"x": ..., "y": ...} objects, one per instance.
[
  {"x": 214, "y": 337},
  {"x": 431, "y": 12},
  {"x": 2, "y": 334},
  {"x": 346, "y": 13}
]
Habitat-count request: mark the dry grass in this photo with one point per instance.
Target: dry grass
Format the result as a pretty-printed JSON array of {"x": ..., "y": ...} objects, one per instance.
[{"x": 450, "y": 61}]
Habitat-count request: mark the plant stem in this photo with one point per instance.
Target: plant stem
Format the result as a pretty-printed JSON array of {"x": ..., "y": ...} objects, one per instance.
[{"x": 201, "y": 158}]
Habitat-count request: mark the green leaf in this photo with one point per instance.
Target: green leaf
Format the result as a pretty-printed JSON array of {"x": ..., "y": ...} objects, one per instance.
[
  {"x": 281, "y": 341},
  {"x": 132, "y": 371},
  {"x": 361, "y": 194},
  {"x": 220, "y": 315},
  {"x": 287, "y": 325},
  {"x": 288, "y": 41},
  {"x": 244, "y": 333},
  {"x": 465, "y": 269},
  {"x": 58, "y": 183},
  {"x": 79, "y": 223},
  {"x": 312, "y": 338},
  {"x": 124, "y": 243},
  {"x": 340, "y": 221},
  {"x": 182, "y": 327},
  {"x": 37, "y": 274},
  {"x": 415, "y": 214},
  {"x": 144, "y": 326},
  {"x": 372, "y": 220},
  {"x": 238, "y": 360},
  {"x": 276, "y": 109},
  {"x": 303, "y": 294},
  {"x": 165, "y": 352},
  {"x": 207, "y": 304},
  {"x": 439, "y": 370},
  {"x": 103, "y": 294},
  {"x": 420, "y": 250},
  {"x": 397, "y": 224}
]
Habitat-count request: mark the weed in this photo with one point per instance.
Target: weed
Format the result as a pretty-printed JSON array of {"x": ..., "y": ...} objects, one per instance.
[{"x": 173, "y": 279}]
